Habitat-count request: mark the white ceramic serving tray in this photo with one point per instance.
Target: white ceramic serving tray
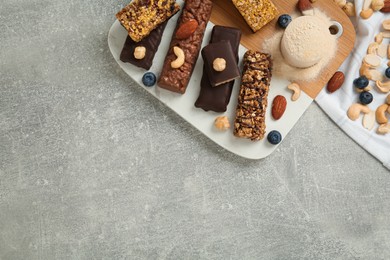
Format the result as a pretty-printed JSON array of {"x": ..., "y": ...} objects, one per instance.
[{"x": 204, "y": 121}]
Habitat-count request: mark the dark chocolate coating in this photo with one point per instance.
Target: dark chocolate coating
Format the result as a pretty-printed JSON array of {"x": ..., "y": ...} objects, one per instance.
[
  {"x": 221, "y": 49},
  {"x": 217, "y": 98},
  {"x": 151, "y": 43}
]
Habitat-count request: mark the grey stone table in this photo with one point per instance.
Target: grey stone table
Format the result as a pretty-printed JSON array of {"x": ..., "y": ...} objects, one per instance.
[{"x": 93, "y": 168}]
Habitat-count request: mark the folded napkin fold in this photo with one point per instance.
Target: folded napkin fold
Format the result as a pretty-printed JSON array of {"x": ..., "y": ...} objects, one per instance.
[{"x": 337, "y": 103}]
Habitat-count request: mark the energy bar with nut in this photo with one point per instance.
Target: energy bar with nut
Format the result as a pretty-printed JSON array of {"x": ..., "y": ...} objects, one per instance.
[
  {"x": 140, "y": 17},
  {"x": 257, "y": 13},
  {"x": 186, "y": 40},
  {"x": 252, "y": 98}
]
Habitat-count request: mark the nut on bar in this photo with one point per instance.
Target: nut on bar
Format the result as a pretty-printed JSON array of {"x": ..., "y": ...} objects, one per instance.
[
  {"x": 187, "y": 41},
  {"x": 257, "y": 13},
  {"x": 140, "y": 17},
  {"x": 252, "y": 98}
]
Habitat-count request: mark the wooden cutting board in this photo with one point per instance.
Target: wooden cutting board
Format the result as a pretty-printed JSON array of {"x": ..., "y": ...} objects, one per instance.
[{"x": 224, "y": 13}]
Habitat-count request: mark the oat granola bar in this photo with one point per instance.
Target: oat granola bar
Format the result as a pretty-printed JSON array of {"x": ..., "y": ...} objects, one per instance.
[
  {"x": 252, "y": 98},
  {"x": 256, "y": 13},
  {"x": 188, "y": 38},
  {"x": 140, "y": 17}
]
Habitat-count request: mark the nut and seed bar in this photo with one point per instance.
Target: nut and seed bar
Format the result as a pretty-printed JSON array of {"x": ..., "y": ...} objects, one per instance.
[
  {"x": 257, "y": 13},
  {"x": 140, "y": 17},
  {"x": 177, "y": 79},
  {"x": 252, "y": 98}
]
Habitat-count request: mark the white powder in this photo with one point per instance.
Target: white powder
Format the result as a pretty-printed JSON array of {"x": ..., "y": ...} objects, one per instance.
[{"x": 283, "y": 69}]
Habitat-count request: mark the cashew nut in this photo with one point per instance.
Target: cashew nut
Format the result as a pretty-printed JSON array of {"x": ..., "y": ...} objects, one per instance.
[
  {"x": 349, "y": 9},
  {"x": 388, "y": 102},
  {"x": 367, "y": 13},
  {"x": 376, "y": 5},
  {"x": 380, "y": 114},
  {"x": 139, "y": 52},
  {"x": 369, "y": 120},
  {"x": 373, "y": 48},
  {"x": 386, "y": 34},
  {"x": 296, "y": 91},
  {"x": 382, "y": 50},
  {"x": 383, "y": 129},
  {"x": 379, "y": 38},
  {"x": 374, "y": 75},
  {"x": 219, "y": 64},
  {"x": 368, "y": 88},
  {"x": 354, "y": 111},
  {"x": 386, "y": 24},
  {"x": 180, "y": 58},
  {"x": 366, "y": 4},
  {"x": 341, "y": 3},
  {"x": 372, "y": 60},
  {"x": 383, "y": 86}
]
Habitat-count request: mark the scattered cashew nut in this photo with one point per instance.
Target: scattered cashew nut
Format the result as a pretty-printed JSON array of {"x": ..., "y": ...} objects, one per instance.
[
  {"x": 383, "y": 86},
  {"x": 296, "y": 91},
  {"x": 380, "y": 114},
  {"x": 382, "y": 50},
  {"x": 341, "y": 3},
  {"x": 386, "y": 24},
  {"x": 373, "y": 48},
  {"x": 355, "y": 109},
  {"x": 180, "y": 58},
  {"x": 376, "y": 5},
  {"x": 367, "y": 13},
  {"x": 369, "y": 120},
  {"x": 379, "y": 38},
  {"x": 388, "y": 102},
  {"x": 372, "y": 60},
  {"x": 383, "y": 129},
  {"x": 349, "y": 9}
]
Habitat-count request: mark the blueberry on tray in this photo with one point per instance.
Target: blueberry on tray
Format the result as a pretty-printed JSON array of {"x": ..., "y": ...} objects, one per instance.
[
  {"x": 274, "y": 137},
  {"x": 365, "y": 98},
  {"x": 149, "y": 79},
  {"x": 361, "y": 82}
]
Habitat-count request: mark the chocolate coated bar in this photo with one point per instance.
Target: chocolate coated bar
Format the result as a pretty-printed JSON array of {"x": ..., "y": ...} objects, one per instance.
[
  {"x": 220, "y": 51},
  {"x": 177, "y": 79},
  {"x": 141, "y": 17},
  {"x": 217, "y": 98},
  {"x": 252, "y": 98},
  {"x": 151, "y": 43}
]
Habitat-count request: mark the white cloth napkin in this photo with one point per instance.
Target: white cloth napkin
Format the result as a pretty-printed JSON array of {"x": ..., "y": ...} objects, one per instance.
[{"x": 337, "y": 103}]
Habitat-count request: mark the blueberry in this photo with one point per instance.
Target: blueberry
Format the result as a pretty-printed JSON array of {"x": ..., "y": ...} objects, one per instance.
[
  {"x": 361, "y": 82},
  {"x": 274, "y": 137},
  {"x": 365, "y": 98},
  {"x": 284, "y": 20},
  {"x": 149, "y": 79},
  {"x": 387, "y": 72}
]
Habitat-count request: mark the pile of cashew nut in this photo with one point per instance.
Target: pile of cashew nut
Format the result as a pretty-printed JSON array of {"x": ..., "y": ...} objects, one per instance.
[
  {"x": 370, "y": 64},
  {"x": 371, "y": 6}
]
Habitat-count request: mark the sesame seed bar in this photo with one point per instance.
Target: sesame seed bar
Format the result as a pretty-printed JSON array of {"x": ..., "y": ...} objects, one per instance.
[
  {"x": 140, "y": 17},
  {"x": 252, "y": 98},
  {"x": 257, "y": 13}
]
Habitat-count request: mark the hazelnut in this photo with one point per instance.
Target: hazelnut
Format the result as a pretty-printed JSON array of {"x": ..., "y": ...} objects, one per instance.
[
  {"x": 219, "y": 64},
  {"x": 222, "y": 123},
  {"x": 139, "y": 52}
]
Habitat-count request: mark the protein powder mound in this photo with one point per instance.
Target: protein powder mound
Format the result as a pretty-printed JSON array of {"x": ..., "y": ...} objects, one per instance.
[{"x": 302, "y": 51}]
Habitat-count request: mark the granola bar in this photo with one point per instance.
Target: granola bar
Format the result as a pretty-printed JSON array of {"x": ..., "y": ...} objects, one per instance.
[
  {"x": 140, "y": 17},
  {"x": 257, "y": 13},
  {"x": 188, "y": 38},
  {"x": 252, "y": 98}
]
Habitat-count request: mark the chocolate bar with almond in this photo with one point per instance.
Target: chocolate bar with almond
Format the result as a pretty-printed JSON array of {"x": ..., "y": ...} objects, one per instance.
[{"x": 185, "y": 45}]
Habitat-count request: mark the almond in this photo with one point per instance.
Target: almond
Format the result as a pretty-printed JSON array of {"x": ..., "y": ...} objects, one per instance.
[
  {"x": 386, "y": 8},
  {"x": 304, "y": 5},
  {"x": 335, "y": 82},
  {"x": 279, "y": 105},
  {"x": 186, "y": 29}
]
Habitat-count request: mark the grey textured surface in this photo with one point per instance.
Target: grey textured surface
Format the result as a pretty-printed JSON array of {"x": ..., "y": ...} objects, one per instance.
[{"x": 93, "y": 168}]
